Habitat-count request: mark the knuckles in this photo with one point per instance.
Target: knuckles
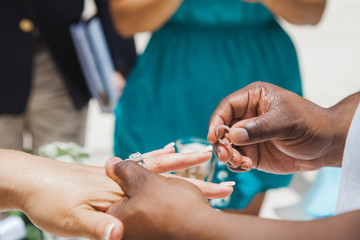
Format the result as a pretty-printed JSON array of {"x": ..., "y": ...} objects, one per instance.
[
  {"x": 125, "y": 168},
  {"x": 157, "y": 164}
]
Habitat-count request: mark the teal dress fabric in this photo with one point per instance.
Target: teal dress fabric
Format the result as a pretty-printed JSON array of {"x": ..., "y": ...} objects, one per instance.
[{"x": 207, "y": 50}]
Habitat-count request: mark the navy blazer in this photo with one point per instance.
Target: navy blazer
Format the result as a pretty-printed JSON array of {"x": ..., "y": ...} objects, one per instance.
[{"x": 52, "y": 18}]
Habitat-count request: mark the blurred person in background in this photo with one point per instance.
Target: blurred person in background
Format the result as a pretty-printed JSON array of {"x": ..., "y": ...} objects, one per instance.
[
  {"x": 42, "y": 85},
  {"x": 201, "y": 51}
]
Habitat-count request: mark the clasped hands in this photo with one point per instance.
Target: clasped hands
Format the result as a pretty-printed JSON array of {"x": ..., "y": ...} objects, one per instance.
[
  {"x": 71, "y": 200},
  {"x": 272, "y": 129}
]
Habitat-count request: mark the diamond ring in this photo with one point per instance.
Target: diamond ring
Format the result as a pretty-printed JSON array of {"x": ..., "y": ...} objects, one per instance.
[{"x": 137, "y": 157}]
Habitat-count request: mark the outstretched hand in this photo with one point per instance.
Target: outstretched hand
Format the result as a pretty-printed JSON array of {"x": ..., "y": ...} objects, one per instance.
[
  {"x": 70, "y": 200},
  {"x": 166, "y": 160}
]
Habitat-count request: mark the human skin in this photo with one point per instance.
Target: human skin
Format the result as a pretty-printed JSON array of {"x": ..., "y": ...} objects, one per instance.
[
  {"x": 70, "y": 200},
  {"x": 277, "y": 131},
  {"x": 299, "y": 12},
  {"x": 131, "y": 16},
  {"x": 156, "y": 207}
]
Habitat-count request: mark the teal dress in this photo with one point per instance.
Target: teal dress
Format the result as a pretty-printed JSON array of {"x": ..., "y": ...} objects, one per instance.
[{"x": 207, "y": 50}]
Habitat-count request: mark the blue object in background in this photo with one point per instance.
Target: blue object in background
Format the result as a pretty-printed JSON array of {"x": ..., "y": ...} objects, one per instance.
[
  {"x": 323, "y": 193},
  {"x": 319, "y": 200},
  {"x": 96, "y": 63}
]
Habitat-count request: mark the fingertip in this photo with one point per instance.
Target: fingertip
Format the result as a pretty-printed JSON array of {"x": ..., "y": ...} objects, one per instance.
[
  {"x": 118, "y": 231},
  {"x": 214, "y": 122},
  {"x": 99, "y": 225},
  {"x": 236, "y": 159},
  {"x": 170, "y": 150},
  {"x": 246, "y": 166},
  {"x": 228, "y": 190},
  {"x": 170, "y": 145},
  {"x": 229, "y": 183},
  {"x": 112, "y": 161},
  {"x": 222, "y": 191},
  {"x": 224, "y": 153},
  {"x": 236, "y": 170},
  {"x": 114, "y": 230},
  {"x": 110, "y": 164},
  {"x": 211, "y": 138},
  {"x": 239, "y": 135}
]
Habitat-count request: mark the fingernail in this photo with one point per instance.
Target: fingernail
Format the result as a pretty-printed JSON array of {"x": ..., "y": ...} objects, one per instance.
[
  {"x": 229, "y": 183},
  {"x": 206, "y": 149},
  {"x": 170, "y": 145},
  {"x": 245, "y": 166},
  {"x": 241, "y": 135},
  {"x": 114, "y": 160},
  {"x": 230, "y": 164},
  {"x": 108, "y": 231}
]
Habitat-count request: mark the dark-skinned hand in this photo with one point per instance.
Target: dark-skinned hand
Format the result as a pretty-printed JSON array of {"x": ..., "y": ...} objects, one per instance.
[
  {"x": 275, "y": 130},
  {"x": 157, "y": 207}
]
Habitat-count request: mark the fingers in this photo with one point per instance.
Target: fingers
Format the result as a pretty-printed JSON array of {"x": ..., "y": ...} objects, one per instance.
[
  {"x": 210, "y": 190},
  {"x": 128, "y": 174},
  {"x": 98, "y": 225},
  {"x": 248, "y": 103},
  {"x": 177, "y": 161},
  {"x": 235, "y": 158},
  {"x": 164, "y": 160},
  {"x": 276, "y": 124},
  {"x": 166, "y": 150},
  {"x": 160, "y": 162},
  {"x": 232, "y": 107},
  {"x": 256, "y": 114},
  {"x": 224, "y": 152},
  {"x": 246, "y": 164}
]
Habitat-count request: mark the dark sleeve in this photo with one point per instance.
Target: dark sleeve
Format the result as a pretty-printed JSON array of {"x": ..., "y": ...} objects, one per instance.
[{"x": 122, "y": 50}]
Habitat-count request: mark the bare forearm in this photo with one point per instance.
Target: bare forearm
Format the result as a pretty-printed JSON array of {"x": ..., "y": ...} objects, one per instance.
[
  {"x": 233, "y": 226},
  {"x": 11, "y": 178},
  {"x": 132, "y": 16},
  {"x": 300, "y": 12}
]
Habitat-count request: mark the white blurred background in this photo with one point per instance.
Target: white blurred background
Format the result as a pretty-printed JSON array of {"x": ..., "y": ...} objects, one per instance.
[{"x": 329, "y": 56}]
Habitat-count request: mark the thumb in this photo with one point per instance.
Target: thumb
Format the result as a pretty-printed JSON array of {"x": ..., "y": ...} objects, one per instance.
[
  {"x": 273, "y": 125},
  {"x": 99, "y": 225},
  {"x": 128, "y": 174}
]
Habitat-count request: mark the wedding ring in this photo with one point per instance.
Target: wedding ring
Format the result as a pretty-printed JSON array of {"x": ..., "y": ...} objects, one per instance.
[
  {"x": 217, "y": 134},
  {"x": 137, "y": 157}
]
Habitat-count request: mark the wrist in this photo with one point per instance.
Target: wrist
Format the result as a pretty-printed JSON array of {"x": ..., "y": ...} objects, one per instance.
[
  {"x": 14, "y": 185},
  {"x": 9, "y": 192},
  {"x": 340, "y": 118},
  {"x": 208, "y": 223},
  {"x": 336, "y": 148}
]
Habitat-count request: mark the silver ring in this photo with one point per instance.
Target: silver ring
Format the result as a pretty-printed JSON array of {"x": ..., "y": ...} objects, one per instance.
[
  {"x": 137, "y": 157},
  {"x": 217, "y": 134}
]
